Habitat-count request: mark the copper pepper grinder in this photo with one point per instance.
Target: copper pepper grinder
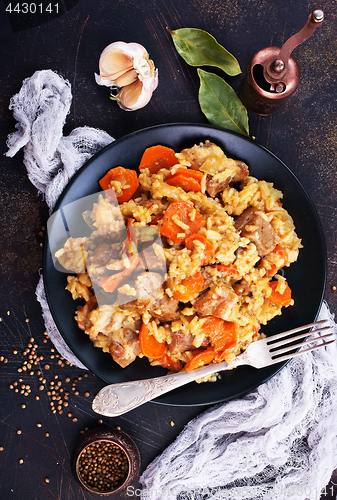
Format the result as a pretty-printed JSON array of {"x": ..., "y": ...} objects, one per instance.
[{"x": 273, "y": 74}]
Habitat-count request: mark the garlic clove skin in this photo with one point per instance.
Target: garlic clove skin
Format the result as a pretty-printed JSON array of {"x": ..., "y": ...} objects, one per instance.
[
  {"x": 137, "y": 95},
  {"x": 126, "y": 66}
]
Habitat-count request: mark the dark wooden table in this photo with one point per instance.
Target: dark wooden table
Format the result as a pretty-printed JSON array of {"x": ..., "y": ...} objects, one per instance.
[{"x": 36, "y": 443}]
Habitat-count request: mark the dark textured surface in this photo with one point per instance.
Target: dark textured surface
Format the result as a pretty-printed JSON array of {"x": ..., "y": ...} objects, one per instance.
[{"x": 302, "y": 135}]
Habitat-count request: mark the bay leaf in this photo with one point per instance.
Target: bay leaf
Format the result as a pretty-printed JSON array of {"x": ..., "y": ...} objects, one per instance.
[
  {"x": 220, "y": 104},
  {"x": 199, "y": 48}
]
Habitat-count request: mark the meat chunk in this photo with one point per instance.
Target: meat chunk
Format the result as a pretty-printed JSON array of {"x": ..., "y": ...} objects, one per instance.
[
  {"x": 236, "y": 171},
  {"x": 158, "y": 206},
  {"x": 151, "y": 296},
  {"x": 125, "y": 347},
  {"x": 102, "y": 254},
  {"x": 165, "y": 309},
  {"x": 181, "y": 342},
  {"x": 217, "y": 301},
  {"x": 257, "y": 230}
]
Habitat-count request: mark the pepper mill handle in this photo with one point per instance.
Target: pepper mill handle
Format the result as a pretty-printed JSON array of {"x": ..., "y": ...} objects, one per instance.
[{"x": 279, "y": 65}]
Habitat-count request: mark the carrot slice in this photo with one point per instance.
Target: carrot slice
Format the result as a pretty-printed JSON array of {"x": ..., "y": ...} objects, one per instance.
[
  {"x": 128, "y": 179},
  {"x": 193, "y": 285},
  {"x": 110, "y": 283},
  {"x": 222, "y": 333},
  {"x": 196, "y": 174},
  {"x": 184, "y": 181},
  {"x": 202, "y": 358},
  {"x": 149, "y": 345},
  {"x": 167, "y": 362},
  {"x": 280, "y": 298},
  {"x": 156, "y": 158},
  {"x": 208, "y": 246},
  {"x": 190, "y": 217}
]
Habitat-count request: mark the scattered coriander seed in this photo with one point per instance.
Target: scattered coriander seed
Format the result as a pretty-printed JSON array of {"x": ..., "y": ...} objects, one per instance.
[
  {"x": 39, "y": 425},
  {"x": 47, "y": 480},
  {"x": 86, "y": 394},
  {"x": 2, "y": 448},
  {"x": 23, "y": 406},
  {"x": 70, "y": 414},
  {"x": 172, "y": 423},
  {"x": 100, "y": 421},
  {"x": 27, "y": 320},
  {"x": 46, "y": 367},
  {"x": 77, "y": 393},
  {"x": 41, "y": 387},
  {"x": 74, "y": 419},
  {"x": 37, "y": 398},
  {"x": 21, "y": 461},
  {"x": 47, "y": 434},
  {"x": 19, "y": 431},
  {"x": 15, "y": 351},
  {"x": 334, "y": 288},
  {"x": 44, "y": 341},
  {"x": 11, "y": 386}
]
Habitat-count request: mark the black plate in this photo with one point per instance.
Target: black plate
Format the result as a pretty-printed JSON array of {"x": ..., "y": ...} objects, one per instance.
[{"x": 306, "y": 277}]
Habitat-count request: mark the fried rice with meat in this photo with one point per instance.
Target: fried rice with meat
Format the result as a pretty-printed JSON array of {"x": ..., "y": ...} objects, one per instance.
[{"x": 196, "y": 272}]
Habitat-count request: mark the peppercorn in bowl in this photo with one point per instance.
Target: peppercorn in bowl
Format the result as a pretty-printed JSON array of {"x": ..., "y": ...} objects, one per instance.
[
  {"x": 197, "y": 240},
  {"x": 105, "y": 461}
]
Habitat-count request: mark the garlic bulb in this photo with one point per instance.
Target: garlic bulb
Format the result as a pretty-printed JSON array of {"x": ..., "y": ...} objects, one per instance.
[{"x": 127, "y": 68}]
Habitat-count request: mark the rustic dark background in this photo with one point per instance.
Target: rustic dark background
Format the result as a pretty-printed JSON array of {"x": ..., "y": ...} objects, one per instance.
[{"x": 303, "y": 135}]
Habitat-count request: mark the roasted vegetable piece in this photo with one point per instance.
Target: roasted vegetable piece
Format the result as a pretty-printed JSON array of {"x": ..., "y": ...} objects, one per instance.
[
  {"x": 149, "y": 345},
  {"x": 280, "y": 298},
  {"x": 222, "y": 333},
  {"x": 123, "y": 180},
  {"x": 202, "y": 358},
  {"x": 193, "y": 285},
  {"x": 208, "y": 246},
  {"x": 181, "y": 220},
  {"x": 156, "y": 158},
  {"x": 110, "y": 283}
]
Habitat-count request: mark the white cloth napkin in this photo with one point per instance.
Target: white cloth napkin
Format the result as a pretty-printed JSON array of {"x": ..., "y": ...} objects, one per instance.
[{"x": 278, "y": 442}]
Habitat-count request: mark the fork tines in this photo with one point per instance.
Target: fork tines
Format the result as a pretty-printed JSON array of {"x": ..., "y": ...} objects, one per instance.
[{"x": 292, "y": 344}]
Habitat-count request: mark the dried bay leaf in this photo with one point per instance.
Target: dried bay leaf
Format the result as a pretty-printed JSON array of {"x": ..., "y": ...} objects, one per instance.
[
  {"x": 220, "y": 104},
  {"x": 199, "y": 48}
]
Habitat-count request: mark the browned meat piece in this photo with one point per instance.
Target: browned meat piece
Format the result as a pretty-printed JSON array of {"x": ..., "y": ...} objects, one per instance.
[
  {"x": 218, "y": 301},
  {"x": 152, "y": 261},
  {"x": 239, "y": 173},
  {"x": 165, "y": 309},
  {"x": 257, "y": 230},
  {"x": 82, "y": 314},
  {"x": 102, "y": 254},
  {"x": 125, "y": 348},
  {"x": 158, "y": 209},
  {"x": 181, "y": 342}
]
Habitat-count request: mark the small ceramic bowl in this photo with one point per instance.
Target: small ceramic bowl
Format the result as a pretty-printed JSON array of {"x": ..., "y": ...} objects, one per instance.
[{"x": 113, "y": 452}]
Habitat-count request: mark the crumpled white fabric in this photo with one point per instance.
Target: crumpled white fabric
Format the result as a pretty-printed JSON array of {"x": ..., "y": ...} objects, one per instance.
[
  {"x": 278, "y": 442},
  {"x": 51, "y": 159}
]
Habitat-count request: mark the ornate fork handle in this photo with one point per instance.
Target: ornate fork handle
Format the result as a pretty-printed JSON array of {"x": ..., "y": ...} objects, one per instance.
[{"x": 116, "y": 399}]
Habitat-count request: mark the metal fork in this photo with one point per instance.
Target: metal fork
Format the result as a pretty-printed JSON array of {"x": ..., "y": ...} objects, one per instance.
[{"x": 117, "y": 399}]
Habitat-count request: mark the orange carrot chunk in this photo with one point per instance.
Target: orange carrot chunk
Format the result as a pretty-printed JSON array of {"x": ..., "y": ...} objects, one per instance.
[
  {"x": 208, "y": 246},
  {"x": 186, "y": 182},
  {"x": 128, "y": 182},
  {"x": 183, "y": 212},
  {"x": 193, "y": 285},
  {"x": 222, "y": 333},
  {"x": 110, "y": 283},
  {"x": 195, "y": 174},
  {"x": 156, "y": 158},
  {"x": 149, "y": 345},
  {"x": 202, "y": 358},
  {"x": 280, "y": 298}
]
